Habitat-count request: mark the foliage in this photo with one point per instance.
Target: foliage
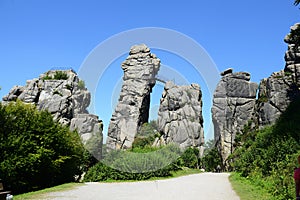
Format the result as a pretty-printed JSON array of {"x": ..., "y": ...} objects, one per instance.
[
  {"x": 297, "y": 2},
  {"x": 190, "y": 158},
  {"x": 36, "y": 152},
  {"x": 81, "y": 84},
  {"x": 47, "y": 77},
  {"x": 143, "y": 161},
  {"x": 268, "y": 156},
  {"x": 57, "y": 92},
  {"x": 60, "y": 75},
  {"x": 146, "y": 135},
  {"x": 211, "y": 160},
  {"x": 137, "y": 164},
  {"x": 247, "y": 189}
]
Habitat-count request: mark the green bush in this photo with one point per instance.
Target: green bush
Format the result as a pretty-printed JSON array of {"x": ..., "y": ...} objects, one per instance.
[
  {"x": 81, "y": 84},
  {"x": 146, "y": 135},
  {"x": 268, "y": 156},
  {"x": 138, "y": 164},
  {"x": 211, "y": 160},
  {"x": 60, "y": 75},
  {"x": 190, "y": 158},
  {"x": 36, "y": 152}
]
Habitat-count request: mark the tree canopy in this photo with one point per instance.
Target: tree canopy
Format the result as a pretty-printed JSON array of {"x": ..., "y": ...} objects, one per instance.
[{"x": 36, "y": 152}]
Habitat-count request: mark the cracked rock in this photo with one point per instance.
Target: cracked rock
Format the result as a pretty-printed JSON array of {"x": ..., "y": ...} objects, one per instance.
[{"x": 180, "y": 118}]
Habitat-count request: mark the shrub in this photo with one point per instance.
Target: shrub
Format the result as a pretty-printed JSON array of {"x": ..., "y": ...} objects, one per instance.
[
  {"x": 81, "y": 84},
  {"x": 211, "y": 160},
  {"x": 138, "y": 164},
  {"x": 146, "y": 135},
  {"x": 190, "y": 158},
  {"x": 268, "y": 156},
  {"x": 36, "y": 152},
  {"x": 60, "y": 75}
]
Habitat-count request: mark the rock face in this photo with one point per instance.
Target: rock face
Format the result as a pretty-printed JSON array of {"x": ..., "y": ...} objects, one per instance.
[
  {"x": 233, "y": 106},
  {"x": 90, "y": 128},
  {"x": 62, "y": 94},
  {"x": 140, "y": 69},
  {"x": 281, "y": 88},
  {"x": 180, "y": 118}
]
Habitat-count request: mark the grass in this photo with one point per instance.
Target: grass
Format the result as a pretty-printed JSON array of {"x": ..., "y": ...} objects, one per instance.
[
  {"x": 246, "y": 190},
  {"x": 68, "y": 186},
  {"x": 39, "y": 194}
]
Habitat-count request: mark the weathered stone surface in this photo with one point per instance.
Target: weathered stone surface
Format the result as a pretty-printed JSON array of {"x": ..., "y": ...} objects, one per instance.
[
  {"x": 140, "y": 69},
  {"x": 180, "y": 118},
  {"x": 90, "y": 129},
  {"x": 281, "y": 88},
  {"x": 233, "y": 106},
  {"x": 65, "y": 98}
]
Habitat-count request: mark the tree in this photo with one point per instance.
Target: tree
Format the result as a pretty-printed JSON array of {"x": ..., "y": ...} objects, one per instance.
[
  {"x": 36, "y": 151},
  {"x": 297, "y": 2}
]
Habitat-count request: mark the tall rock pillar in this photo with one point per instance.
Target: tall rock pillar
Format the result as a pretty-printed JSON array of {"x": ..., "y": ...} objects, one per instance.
[
  {"x": 233, "y": 106},
  {"x": 180, "y": 118},
  {"x": 140, "y": 69}
]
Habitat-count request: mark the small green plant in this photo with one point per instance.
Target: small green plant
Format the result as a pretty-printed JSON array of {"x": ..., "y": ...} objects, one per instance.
[
  {"x": 58, "y": 93},
  {"x": 287, "y": 73},
  {"x": 263, "y": 99},
  {"x": 47, "y": 77},
  {"x": 278, "y": 76},
  {"x": 69, "y": 87},
  {"x": 60, "y": 75},
  {"x": 81, "y": 84}
]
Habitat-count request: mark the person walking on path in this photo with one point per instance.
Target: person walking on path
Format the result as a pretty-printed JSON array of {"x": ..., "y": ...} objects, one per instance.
[{"x": 297, "y": 180}]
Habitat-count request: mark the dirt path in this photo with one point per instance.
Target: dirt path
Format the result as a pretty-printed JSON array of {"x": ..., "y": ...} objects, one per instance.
[{"x": 205, "y": 186}]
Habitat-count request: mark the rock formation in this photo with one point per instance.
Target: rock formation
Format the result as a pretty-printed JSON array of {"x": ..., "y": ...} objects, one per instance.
[
  {"x": 180, "y": 115},
  {"x": 233, "y": 106},
  {"x": 277, "y": 91},
  {"x": 140, "y": 69},
  {"x": 62, "y": 94}
]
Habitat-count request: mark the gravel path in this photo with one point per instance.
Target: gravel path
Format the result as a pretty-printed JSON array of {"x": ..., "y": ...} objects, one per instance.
[{"x": 204, "y": 186}]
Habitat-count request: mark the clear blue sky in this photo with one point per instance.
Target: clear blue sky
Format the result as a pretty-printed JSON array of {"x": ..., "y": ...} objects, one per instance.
[{"x": 37, "y": 35}]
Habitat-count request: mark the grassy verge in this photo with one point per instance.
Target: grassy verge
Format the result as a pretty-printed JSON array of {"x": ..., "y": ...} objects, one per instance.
[
  {"x": 248, "y": 190},
  {"x": 39, "y": 194}
]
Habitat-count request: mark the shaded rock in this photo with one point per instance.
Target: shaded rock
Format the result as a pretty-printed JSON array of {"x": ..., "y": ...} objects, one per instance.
[
  {"x": 233, "y": 106},
  {"x": 140, "y": 69},
  {"x": 227, "y": 71},
  {"x": 281, "y": 88},
  {"x": 180, "y": 118}
]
